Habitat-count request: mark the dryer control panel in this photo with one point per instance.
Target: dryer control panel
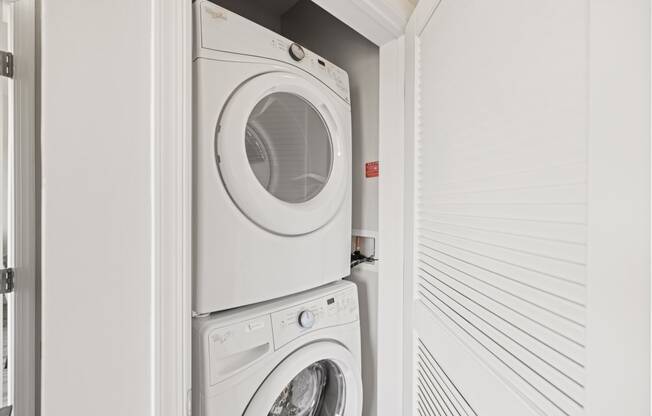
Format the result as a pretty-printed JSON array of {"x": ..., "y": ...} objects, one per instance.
[
  {"x": 337, "y": 309},
  {"x": 314, "y": 64},
  {"x": 217, "y": 28}
]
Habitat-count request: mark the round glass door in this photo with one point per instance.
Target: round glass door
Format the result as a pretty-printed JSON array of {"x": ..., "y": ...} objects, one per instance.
[
  {"x": 282, "y": 148},
  {"x": 317, "y": 390},
  {"x": 319, "y": 379},
  {"x": 288, "y": 147}
]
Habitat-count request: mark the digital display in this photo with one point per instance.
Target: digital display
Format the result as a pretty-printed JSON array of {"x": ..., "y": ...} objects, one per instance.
[{"x": 330, "y": 301}]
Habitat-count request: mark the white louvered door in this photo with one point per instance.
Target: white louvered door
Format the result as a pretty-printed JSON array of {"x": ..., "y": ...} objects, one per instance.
[
  {"x": 497, "y": 176},
  {"x": 527, "y": 202}
]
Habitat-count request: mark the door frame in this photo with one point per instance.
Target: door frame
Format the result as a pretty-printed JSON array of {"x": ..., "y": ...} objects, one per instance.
[
  {"x": 26, "y": 126},
  {"x": 619, "y": 208},
  {"x": 171, "y": 314},
  {"x": 382, "y": 22}
]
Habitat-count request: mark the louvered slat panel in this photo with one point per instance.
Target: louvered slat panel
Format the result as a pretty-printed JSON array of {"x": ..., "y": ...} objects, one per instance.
[
  {"x": 498, "y": 237},
  {"x": 556, "y": 268},
  {"x": 536, "y": 326},
  {"x": 572, "y": 233},
  {"x": 549, "y": 212},
  {"x": 515, "y": 294},
  {"x": 538, "y": 355},
  {"x": 519, "y": 295},
  {"x": 554, "y": 249},
  {"x": 436, "y": 393},
  {"x": 562, "y": 194},
  {"x": 555, "y": 176},
  {"x": 473, "y": 262}
]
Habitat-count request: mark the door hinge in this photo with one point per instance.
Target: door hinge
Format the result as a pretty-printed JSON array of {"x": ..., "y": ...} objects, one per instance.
[
  {"x": 6, "y": 64},
  {"x": 6, "y": 280}
]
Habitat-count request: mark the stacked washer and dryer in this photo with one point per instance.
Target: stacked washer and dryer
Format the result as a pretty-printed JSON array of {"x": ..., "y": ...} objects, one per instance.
[{"x": 276, "y": 331}]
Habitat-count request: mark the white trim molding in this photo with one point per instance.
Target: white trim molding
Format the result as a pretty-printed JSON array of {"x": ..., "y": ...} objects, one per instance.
[
  {"x": 171, "y": 207},
  {"x": 380, "y": 21},
  {"x": 618, "y": 319},
  {"x": 390, "y": 212}
]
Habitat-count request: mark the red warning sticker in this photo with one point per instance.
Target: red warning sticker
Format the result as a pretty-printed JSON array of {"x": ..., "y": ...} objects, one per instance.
[{"x": 371, "y": 169}]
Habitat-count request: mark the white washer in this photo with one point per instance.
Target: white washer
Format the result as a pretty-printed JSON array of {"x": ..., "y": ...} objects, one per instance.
[
  {"x": 292, "y": 356},
  {"x": 272, "y": 164}
]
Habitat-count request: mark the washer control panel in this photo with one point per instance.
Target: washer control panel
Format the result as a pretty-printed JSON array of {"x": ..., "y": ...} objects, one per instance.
[
  {"x": 340, "y": 308},
  {"x": 233, "y": 348}
]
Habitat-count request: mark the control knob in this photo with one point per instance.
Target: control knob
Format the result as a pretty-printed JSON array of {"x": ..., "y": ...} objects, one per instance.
[
  {"x": 296, "y": 52},
  {"x": 306, "y": 319}
]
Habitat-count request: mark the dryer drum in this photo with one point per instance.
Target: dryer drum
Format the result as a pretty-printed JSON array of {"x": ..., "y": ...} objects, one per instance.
[
  {"x": 289, "y": 147},
  {"x": 258, "y": 156},
  {"x": 317, "y": 390}
]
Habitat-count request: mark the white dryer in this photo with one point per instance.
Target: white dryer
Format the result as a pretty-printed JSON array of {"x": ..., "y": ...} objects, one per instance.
[
  {"x": 272, "y": 164},
  {"x": 296, "y": 356}
]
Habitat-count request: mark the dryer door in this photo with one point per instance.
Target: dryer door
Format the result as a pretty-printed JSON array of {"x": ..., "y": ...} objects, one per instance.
[
  {"x": 282, "y": 152},
  {"x": 321, "y": 379}
]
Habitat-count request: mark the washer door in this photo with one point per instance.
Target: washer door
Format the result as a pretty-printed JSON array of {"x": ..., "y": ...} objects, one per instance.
[
  {"x": 281, "y": 154},
  {"x": 320, "y": 379}
]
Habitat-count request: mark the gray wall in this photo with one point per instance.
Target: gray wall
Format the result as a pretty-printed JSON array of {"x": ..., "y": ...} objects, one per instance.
[
  {"x": 308, "y": 24},
  {"x": 264, "y": 12},
  {"x": 252, "y": 11}
]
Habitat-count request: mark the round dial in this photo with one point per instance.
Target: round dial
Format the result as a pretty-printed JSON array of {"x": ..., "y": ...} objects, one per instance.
[
  {"x": 296, "y": 52},
  {"x": 306, "y": 319}
]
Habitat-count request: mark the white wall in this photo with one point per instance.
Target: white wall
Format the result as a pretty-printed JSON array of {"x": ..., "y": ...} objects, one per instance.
[
  {"x": 360, "y": 58},
  {"x": 96, "y": 206}
]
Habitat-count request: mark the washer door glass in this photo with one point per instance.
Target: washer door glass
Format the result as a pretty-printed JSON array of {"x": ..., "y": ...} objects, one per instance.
[
  {"x": 317, "y": 390},
  {"x": 288, "y": 147}
]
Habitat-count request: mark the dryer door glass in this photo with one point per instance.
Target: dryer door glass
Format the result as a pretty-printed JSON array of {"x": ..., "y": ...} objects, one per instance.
[
  {"x": 318, "y": 390},
  {"x": 289, "y": 147}
]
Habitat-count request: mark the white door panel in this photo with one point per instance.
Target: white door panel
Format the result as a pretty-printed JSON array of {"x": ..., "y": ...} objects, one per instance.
[{"x": 497, "y": 112}]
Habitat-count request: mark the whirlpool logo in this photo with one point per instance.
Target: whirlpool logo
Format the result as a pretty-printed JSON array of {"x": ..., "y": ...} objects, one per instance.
[{"x": 216, "y": 14}]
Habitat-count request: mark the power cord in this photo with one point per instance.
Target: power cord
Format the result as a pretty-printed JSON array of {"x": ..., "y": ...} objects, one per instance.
[{"x": 358, "y": 258}]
